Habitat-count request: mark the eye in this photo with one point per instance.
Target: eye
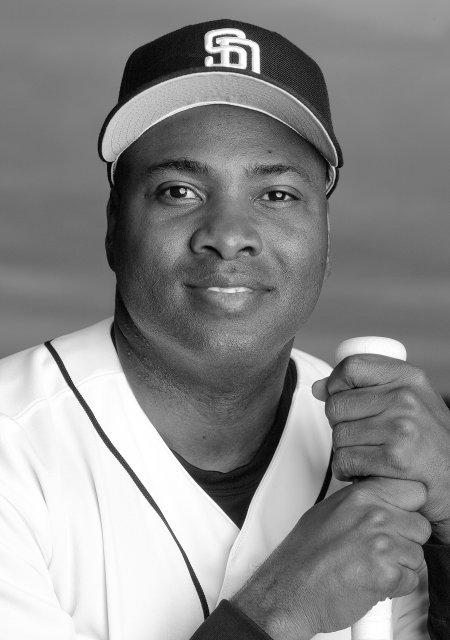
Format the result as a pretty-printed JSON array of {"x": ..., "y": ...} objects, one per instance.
[
  {"x": 278, "y": 196},
  {"x": 179, "y": 192}
]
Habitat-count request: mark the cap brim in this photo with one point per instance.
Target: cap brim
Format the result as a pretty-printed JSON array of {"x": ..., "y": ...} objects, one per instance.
[{"x": 128, "y": 121}]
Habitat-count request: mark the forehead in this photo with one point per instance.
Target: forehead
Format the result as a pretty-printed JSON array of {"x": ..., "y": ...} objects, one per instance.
[{"x": 218, "y": 133}]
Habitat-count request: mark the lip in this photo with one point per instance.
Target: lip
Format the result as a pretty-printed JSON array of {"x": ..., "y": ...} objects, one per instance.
[
  {"x": 227, "y": 304},
  {"x": 229, "y": 282}
]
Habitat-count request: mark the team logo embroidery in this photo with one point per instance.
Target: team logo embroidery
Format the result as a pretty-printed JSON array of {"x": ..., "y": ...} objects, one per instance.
[{"x": 227, "y": 41}]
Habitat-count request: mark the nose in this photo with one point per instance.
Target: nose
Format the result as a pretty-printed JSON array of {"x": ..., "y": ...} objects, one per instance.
[{"x": 228, "y": 233}]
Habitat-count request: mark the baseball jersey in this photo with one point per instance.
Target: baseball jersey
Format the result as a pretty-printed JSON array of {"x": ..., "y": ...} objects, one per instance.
[{"x": 83, "y": 553}]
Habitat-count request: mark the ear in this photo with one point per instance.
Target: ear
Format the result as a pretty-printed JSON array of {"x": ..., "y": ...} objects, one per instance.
[
  {"x": 112, "y": 215},
  {"x": 328, "y": 264}
]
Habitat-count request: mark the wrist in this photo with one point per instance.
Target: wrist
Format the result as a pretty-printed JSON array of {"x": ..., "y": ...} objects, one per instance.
[{"x": 267, "y": 617}]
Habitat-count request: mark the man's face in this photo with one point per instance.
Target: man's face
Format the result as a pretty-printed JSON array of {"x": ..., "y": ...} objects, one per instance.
[{"x": 218, "y": 232}]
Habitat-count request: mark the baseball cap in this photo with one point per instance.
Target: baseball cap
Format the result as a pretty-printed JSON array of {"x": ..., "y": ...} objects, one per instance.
[{"x": 221, "y": 62}]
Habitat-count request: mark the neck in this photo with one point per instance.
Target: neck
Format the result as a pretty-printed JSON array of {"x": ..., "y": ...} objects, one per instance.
[{"x": 212, "y": 413}]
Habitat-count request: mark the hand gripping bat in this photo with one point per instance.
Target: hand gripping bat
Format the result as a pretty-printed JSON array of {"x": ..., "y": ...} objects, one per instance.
[{"x": 376, "y": 624}]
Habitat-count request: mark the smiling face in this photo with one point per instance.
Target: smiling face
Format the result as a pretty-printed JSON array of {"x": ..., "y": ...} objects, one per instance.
[{"x": 217, "y": 232}]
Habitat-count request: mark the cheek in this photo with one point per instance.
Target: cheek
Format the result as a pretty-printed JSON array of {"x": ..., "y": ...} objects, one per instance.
[
  {"x": 303, "y": 265},
  {"x": 144, "y": 259},
  {"x": 305, "y": 254}
]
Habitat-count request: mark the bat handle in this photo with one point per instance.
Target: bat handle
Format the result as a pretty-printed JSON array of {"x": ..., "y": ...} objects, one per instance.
[{"x": 377, "y": 623}]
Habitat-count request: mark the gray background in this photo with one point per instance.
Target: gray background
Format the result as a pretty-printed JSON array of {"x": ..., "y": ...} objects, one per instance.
[{"x": 387, "y": 68}]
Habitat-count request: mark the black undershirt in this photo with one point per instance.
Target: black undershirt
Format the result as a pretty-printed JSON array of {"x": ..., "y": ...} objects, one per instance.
[{"x": 234, "y": 490}]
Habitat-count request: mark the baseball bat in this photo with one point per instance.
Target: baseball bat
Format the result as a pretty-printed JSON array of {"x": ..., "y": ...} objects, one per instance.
[{"x": 377, "y": 623}]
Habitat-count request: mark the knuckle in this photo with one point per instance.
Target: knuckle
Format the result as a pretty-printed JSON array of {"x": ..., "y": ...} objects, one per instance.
[
  {"x": 334, "y": 407},
  {"x": 340, "y": 435},
  {"x": 392, "y": 576},
  {"x": 405, "y": 429},
  {"x": 337, "y": 471},
  {"x": 424, "y": 529},
  {"x": 346, "y": 365},
  {"x": 406, "y": 398},
  {"x": 341, "y": 463},
  {"x": 378, "y": 517},
  {"x": 356, "y": 362},
  {"x": 428, "y": 530},
  {"x": 352, "y": 366},
  {"x": 408, "y": 582},
  {"x": 412, "y": 375},
  {"x": 329, "y": 409},
  {"x": 381, "y": 544},
  {"x": 416, "y": 495},
  {"x": 412, "y": 582},
  {"x": 422, "y": 494},
  {"x": 412, "y": 555},
  {"x": 419, "y": 376},
  {"x": 398, "y": 458}
]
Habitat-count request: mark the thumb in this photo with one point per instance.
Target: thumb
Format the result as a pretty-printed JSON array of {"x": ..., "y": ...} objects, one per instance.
[{"x": 320, "y": 391}]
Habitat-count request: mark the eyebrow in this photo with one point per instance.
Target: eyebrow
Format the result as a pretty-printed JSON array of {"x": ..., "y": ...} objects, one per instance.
[
  {"x": 186, "y": 165},
  {"x": 278, "y": 169}
]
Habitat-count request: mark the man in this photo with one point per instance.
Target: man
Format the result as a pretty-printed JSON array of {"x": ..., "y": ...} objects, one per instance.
[{"x": 174, "y": 462}]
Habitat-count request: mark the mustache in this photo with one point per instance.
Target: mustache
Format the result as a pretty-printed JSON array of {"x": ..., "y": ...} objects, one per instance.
[{"x": 228, "y": 277}]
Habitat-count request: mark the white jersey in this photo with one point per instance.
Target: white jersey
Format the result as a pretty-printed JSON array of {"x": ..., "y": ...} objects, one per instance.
[{"x": 83, "y": 555}]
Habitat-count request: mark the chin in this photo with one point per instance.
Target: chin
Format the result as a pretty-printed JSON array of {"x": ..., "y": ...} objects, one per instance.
[{"x": 233, "y": 344}]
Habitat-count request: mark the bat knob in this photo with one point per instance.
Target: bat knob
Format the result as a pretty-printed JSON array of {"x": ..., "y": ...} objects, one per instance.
[{"x": 370, "y": 344}]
